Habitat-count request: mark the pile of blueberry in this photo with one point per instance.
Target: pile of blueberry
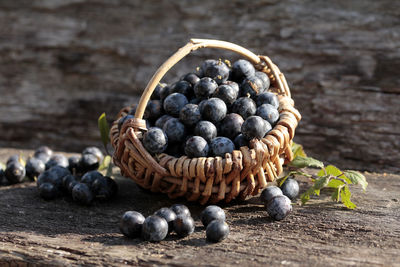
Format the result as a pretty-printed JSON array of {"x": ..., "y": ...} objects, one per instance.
[
  {"x": 210, "y": 112},
  {"x": 57, "y": 175},
  {"x": 277, "y": 200},
  {"x": 176, "y": 219}
]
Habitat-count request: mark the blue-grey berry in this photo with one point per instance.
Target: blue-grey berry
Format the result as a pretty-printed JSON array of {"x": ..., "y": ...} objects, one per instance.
[
  {"x": 264, "y": 78},
  {"x": 231, "y": 125},
  {"x": 183, "y": 225},
  {"x": 131, "y": 224},
  {"x": 267, "y": 98},
  {"x": 34, "y": 167},
  {"x": 196, "y": 146},
  {"x": 15, "y": 172},
  {"x": 175, "y": 131},
  {"x": 174, "y": 103},
  {"x": 279, "y": 207},
  {"x": 82, "y": 194},
  {"x": 155, "y": 140},
  {"x": 211, "y": 213},
  {"x": 245, "y": 107},
  {"x": 180, "y": 209},
  {"x": 269, "y": 193},
  {"x": 242, "y": 69},
  {"x": 168, "y": 215},
  {"x": 217, "y": 231},
  {"x": 206, "y": 129},
  {"x": 255, "y": 127},
  {"x": 221, "y": 145},
  {"x": 205, "y": 88},
  {"x": 251, "y": 86},
  {"x": 290, "y": 188},
  {"x": 214, "y": 110},
  {"x": 190, "y": 114},
  {"x": 154, "y": 228},
  {"x": 269, "y": 113}
]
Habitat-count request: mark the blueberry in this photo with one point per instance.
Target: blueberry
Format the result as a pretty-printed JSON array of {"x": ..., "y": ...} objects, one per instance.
[
  {"x": 156, "y": 95},
  {"x": 174, "y": 103},
  {"x": 42, "y": 156},
  {"x": 162, "y": 120},
  {"x": 153, "y": 110},
  {"x": 245, "y": 107},
  {"x": 48, "y": 191},
  {"x": 131, "y": 224},
  {"x": 50, "y": 177},
  {"x": 215, "y": 69},
  {"x": 168, "y": 215},
  {"x": 174, "y": 130},
  {"x": 82, "y": 194},
  {"x": 251, "y": 86},
  {"x": 242, "y": 69},
  {"x": 231, "y": 125},
  {"x": 183, "y": 225},
  {"x": 15, "y": 172},
  {"x": 164, "y": 92},
  {"x": 73, "y": 164},
  {"x": 1, "y": 174},
  {"x": 196, "y": 146},
  {"x": 269, "y": 113},
  {"x": 221, "y": 145},
  {"x": 264, "y": 78},
  {"x": 57, "y": 160},
  {"x": 34, "y": 167},
  {"x": 180, "y": 209},
  {"x": 206, "y": 129},
  {"x": 59, "y": 171},
  {"x": 217, "y": 231},
  {"x": 182, "y": 87},
  {"x": 124, "y": 119},
  {"x": 279, "y": 207},
  {"x": 240, "y": 141},
  {"x": 195, "y": 101},
  {"x": 43, "y": 150},
  {"x": 192, "y": 78},
  {"x": 211, "y": 213},
  {"x": 269, "y": 193},
  {"x": 94, "y": 151},
  {"x": 255, "y": 127},
  {"x": 105, "y": 187},
  {"x": 89, "y": 178},
  {"x": 14, "y": 158},
  {"x": 234, "y": 85},
  {"x": 154, "y": 228},
  {"x": 67, "y": 182},
  {"x": 88, "y": 162},
  {"x": 205, "y": 88},
  {"x": 155, "y": 140},
  {"x": 226, "y": 93},
  {"x": 290, "y": 188},
  {"x": 267, "y": 98},
  {"x": 214, "y": 110},
  {"x": 190, "y": 114}
]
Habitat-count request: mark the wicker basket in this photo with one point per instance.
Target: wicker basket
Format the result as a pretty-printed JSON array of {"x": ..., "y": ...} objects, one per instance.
[{"x": 208, "y": 179}]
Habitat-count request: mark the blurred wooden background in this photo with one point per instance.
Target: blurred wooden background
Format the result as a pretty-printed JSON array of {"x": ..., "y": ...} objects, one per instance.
[{"x": 63, "y": 63}]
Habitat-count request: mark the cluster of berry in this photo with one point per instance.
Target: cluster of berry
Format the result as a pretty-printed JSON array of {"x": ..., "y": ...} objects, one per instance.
[
  {"x": 211, "y": 112},
  {"x": 278, "y": 200},
  {"x": 176, "y": 219}
]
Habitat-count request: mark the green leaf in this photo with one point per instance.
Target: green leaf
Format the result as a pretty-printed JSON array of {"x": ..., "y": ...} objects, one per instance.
[
  {"x": 105, "y": 163},
  {"x": 333, "y": 183},
  {"x": 315, "y": 189},
  {"x": 345, "y": 195},
  {"x": 357, "y": 178},
  {"x": 104, "y": 130},
  {"x": 336, "y": 194},
  {"x": 321, "y": 182},
  {"x": 2, "y": 166},
  {"x": 334, "y": 171},
  {"x": 280, "y": 181},
  {"x": 298, "y": 150},
  {"x": 302, "y": 162},
  {"x": 306, "y": 195}
]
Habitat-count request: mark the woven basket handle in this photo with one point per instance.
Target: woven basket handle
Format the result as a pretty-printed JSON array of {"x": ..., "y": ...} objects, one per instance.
[{"x": 195, "y": 44}]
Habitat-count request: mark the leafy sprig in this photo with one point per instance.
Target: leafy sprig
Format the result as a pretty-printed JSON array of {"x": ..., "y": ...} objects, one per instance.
[{"x": 327, "y": 177}]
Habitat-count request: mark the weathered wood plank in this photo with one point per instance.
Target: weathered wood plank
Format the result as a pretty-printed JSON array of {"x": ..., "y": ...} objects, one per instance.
[
  {"x": 62, "y": 63},
  {"x": 60, "y": 232}
]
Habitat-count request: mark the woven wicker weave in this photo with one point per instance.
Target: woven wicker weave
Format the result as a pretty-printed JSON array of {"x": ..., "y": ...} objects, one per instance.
[{"x": 208, "y": 179}]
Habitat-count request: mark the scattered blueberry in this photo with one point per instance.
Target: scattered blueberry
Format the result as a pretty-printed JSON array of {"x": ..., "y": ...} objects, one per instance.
[
  {"x": 155, "y": 140},
  {"x": 168, "y": 215},
  {"x": 255, "y": 127},
  {"x": 190, "y": 114},
  {"x": 82, "y": 194},
  {"x": 290, "y": 188},
  {"x": 217, "y": 231},
  {"x": 174, "y": 130},
  {"x": 105, "y": 188},
  {"x": 242, "y": 69},
  {"x": 34, "y": 167},
  {"x": 88, "y": 162},
  {"x": 94, "y": 151},
  {"x": 174, "y": 103},
  {"x": 267, "y": 98},
  {"x": 89, "y": 178},
  {"x": 279, "y": 207},
  {"x": 196, "y": 146},
  {"x": 214, "y": 110},
  {"x": 269, "y": 193},
  {"x": 221, "y": 145},
  {"x": 15, "y": 172},
  {"x": 13, "y": 158},
  {"x": 67, "y": 181},
  {"x": 131, "y": 224},
  {"x": 231, "y": 125},
  {"x": 205, "y": 88},
  {"x": 154, "y": 228},
  {"x": 180, "y": 209},
  {"x": 57, "y": 160},
  {"x": 245, "y": 107},
  {"x": 269, "y": 113},
  {"x": 211, "y": 213},
  {"x": 206, "y": 129},
  {"x": 73, "y": 164},
  {"x": 183, "y": 225},
  {"x": 50, "y": 177},
  {"x": 43, "y": 150},
  {"x": 48, "y": 191}
]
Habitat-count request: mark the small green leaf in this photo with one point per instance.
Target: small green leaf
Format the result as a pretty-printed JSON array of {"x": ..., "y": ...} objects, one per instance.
[
  {"x": 104, "y": 130},
  {"x": 105, "y": 163},
  {"x": 336, "y": 194},
  {"x": 306, "y": 195},
  {"x": 2, "y": 166},
  {"x": 333, "y": 183},
  {"x": 334, "y": 171},
  {"x": 302, "y": 162},
  {"x": 345, "y": 195},
  {"x": 321, "y": 182},
  {"x": 357, "y": 178},
  {"x": 298, "y": 150}
]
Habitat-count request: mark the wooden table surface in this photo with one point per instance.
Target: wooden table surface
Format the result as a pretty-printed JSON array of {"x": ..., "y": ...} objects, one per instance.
[{"x": 60, "y": 232}]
